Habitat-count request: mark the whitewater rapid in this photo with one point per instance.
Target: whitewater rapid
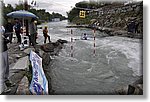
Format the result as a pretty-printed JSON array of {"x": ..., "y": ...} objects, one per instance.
[{"x": 118, "y": 62}]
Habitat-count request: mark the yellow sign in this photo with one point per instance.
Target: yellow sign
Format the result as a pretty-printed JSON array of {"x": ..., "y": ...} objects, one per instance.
[{"x": 82, "y": 14}]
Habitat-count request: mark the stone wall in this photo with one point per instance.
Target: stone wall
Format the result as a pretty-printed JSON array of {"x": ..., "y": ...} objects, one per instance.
[
  {"x": 118, "y": 17},
  {"x": 118, "y": 9}
]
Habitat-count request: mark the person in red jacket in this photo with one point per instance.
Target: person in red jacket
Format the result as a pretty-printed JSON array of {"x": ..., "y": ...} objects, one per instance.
[{"x": 45, "y": 34}]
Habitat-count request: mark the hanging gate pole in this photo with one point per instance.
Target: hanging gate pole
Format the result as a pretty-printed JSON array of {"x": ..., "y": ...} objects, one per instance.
[
  {"x": 94, "y": 52},
  {"x": 71, "y": 43}
]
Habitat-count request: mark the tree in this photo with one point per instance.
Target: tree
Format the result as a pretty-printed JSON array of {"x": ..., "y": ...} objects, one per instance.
[
  {"x": 73, "y": 13},
  {"x": 41, "y": 13},
  {"x": 19, "y": 7},
  {"x": 6, "y": 9}
]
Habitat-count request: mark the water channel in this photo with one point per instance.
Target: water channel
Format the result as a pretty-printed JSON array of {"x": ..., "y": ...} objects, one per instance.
[{"x": 117, "y": 62}]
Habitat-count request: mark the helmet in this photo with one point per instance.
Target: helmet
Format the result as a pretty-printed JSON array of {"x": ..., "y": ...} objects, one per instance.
[{"x": 45, "y": 27}]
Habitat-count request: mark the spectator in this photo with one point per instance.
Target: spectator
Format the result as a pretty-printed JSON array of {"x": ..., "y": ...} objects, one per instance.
[
  {"x": 18, "y": 30},
  {"x": 36, "y": 31},
  {"x": 5, "y": 64},
  {"x": 33, "y": 32},
  {"x": 136, "y": 28},
  {"x": 131, "y": 27},
  {"x": 9, "y": 30}
]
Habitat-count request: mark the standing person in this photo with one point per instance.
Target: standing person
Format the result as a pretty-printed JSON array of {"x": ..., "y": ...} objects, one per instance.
[
  {"x": 2, "y": 31},
  {"x": 18, "y": 30},
  {"x": 133, "y": 26},
  {"x": 36, "y": 31},
  {"x": 136, "y": 27},
  {"x": 5, "y": 64},
  {"x": 45, "y": 34},
  {"x": 33, "y": 32},
  {"x": 9, "y": 30}
]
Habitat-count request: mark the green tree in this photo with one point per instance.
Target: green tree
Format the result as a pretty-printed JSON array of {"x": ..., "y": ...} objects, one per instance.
[
  {"x": 19, "y": 7},
  {"x": 6, "y": 9},
  {"x": 41, "y": 13},
  {"x": 73, "y": 13}
]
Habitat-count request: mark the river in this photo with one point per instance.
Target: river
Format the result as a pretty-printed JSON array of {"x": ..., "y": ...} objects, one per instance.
[{"x": 117, "y": 62}]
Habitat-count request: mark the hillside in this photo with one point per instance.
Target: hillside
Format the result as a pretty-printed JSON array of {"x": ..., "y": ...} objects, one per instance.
[{"x": 111, "y": 15}]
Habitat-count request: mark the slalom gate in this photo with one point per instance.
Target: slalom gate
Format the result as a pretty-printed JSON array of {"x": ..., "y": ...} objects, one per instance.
[
  {"x": 94, "y": 38},
  {"x": 71, "y": 43},
  {"x": 94, "y": 51}
]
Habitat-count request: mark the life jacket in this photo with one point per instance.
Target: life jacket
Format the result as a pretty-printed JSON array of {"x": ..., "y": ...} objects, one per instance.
[{"x": 45, "y": 31}]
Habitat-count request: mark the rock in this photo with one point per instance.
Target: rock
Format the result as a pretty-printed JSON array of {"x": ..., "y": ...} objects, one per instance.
[
  {"x": 62, "y": 41},
  {"x": 56, "y": 44},
  {"x": 46, "y": 59},
  {"x": 51, "y": 47},
  {"x": 48, "y": 47},
  {"x": 135, "y": 89},
  {"x": 23, "y": 87},
  {"x": 22, "y": 63},
  {"x": 17, "y": 56},
  {"x": 27, "y": 51},
  {"x": 139, "y": 81},
  {"x": 16, "y": 78},
  {"x": 132, "y": 89}
]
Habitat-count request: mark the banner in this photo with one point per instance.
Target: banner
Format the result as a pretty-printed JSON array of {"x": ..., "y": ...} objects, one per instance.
[{"x": 39, "y": 83}]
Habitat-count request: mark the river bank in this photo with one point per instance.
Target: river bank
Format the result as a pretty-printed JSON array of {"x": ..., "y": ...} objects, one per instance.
[{"x": 20, "y": 70}]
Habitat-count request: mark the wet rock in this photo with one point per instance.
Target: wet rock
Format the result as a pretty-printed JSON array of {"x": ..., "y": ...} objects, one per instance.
[
  {"x": 53, "y": 47},
  {"x": 46, "y": 59},
  {"x": 48, "y": 47},
  {"x": 135, "y": 89},
  {"x": 62, "y": 41},
  {"x": 132, "y": 89},
  {"x": 46, "y": 62}
]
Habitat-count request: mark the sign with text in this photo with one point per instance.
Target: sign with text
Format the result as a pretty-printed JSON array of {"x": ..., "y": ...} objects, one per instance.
[
  {"x": 39, "y": 83},
  {"x": 82, "y": 14}
]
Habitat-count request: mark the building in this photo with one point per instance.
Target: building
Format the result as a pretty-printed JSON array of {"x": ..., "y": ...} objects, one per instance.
[{"x": 56, "y": 19}]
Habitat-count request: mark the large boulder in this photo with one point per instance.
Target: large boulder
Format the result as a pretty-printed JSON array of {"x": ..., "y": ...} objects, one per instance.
[
  {"x": 135, "y": 88},
  {"x": 49, "y": 47},
  {"x": 62, "y": 41},
  {"x": 46, "y": 59}
]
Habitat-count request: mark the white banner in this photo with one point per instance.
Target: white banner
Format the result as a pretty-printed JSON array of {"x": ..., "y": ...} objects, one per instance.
[{"x": 39, "y": 83}]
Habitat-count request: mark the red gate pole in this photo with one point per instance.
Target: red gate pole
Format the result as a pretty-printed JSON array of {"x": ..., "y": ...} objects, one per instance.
[
  {"x": 94, "y": 52},
  {"x": 71, "y": 43}
]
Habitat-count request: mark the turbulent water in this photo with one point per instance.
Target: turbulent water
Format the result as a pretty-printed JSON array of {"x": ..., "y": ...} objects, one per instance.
[{"x": 117, "y": 62}]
